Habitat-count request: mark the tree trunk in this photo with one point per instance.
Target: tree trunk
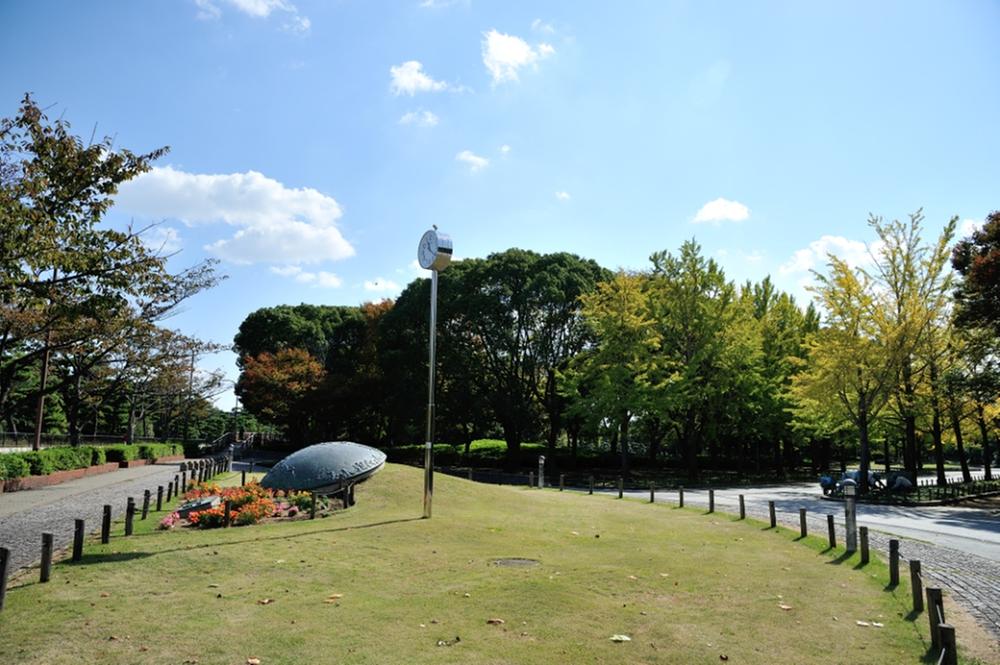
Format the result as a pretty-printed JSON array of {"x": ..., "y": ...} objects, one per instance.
[
  {"x": 985, "y": 436},
  {"x": 909, "y": 422},
  {"x": 887, "y": 460},
  {"x": 689, "y": 450},
  {"x": 779, "y": 469},
  {"x": 865, "y": 446},
  {"x": 956, "y": 427},
  {"x": 624, "y": 429},
  {"x": 942, "y": 480}
]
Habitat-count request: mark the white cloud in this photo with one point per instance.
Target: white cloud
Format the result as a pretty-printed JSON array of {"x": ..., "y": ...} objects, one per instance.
[
  {"x": 722, "y": 210},
  {"x": 756, "y": 256},
  {"x": 563, "y": 196},
  {"x": 505, "y": 148},
  {"x": 475, "y": 162},
  {"x": 162, "y": 239},
  {"x": 854, "y": 252},
  {"x": 538, "y": 25},
  {"x": 320, "y": 279},
  {"x": 505, "y": 54},
  {"x": 297, "y": 24},
  {"x": 419, "y": 118},
  {"x": 968, "y": 227},
  {"x": 409, "y": 79},
  {"x": 276, "y": 223},
  {"x": 381, "y": 285},
  {"x": 441, "y": 4}
]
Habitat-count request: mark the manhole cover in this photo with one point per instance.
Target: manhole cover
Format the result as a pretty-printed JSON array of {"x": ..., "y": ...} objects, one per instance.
[{"x": 515, "y": 562}]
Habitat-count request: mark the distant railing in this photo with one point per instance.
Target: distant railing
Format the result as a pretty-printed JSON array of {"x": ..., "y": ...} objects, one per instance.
[{"x": 21, "y": 440}]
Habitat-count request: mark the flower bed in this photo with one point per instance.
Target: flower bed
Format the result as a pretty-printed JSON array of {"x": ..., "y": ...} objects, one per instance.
[{"x": 250, "y": 504}]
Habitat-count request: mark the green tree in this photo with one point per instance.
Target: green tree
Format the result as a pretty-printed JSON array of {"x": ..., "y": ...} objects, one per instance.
[
  {"x": 977, "y": 260},
  {"x": 65, "y": 281}
]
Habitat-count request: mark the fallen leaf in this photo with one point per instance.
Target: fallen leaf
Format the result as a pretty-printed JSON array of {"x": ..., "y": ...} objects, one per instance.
[
  {"x": 862, "y": 623},
  {"x": 213, "y": 586},
  {"x": 335, "y": 596},
  {"x": 620, "y": 638},
  {"x": 467, "y": 595},
  {"x": 632, "y": 577},
  {"x": 785, "y": 607},
  {"x": 878, "y": 625},
  {"x": 253, "y": 661},
  {"x": 723, "y": 656},
  {"x": 105, "y": 594},
  {"x": 664, "y": 574},
  {"x": 265, "y": 601},
  {"x": 143, "y": 648},
  {"x": 495, "y": 622}
]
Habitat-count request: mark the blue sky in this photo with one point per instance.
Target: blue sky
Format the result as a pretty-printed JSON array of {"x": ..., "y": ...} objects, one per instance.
[{"x": 312, "y": 143}]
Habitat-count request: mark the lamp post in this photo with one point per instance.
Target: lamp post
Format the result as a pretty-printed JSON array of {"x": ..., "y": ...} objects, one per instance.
[{"x": 434, "y": 254}]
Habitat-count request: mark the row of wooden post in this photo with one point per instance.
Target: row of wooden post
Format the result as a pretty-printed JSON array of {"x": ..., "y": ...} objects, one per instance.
[{"x": 201, "y": 470}]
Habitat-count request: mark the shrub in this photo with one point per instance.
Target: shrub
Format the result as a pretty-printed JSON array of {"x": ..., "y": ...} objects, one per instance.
[
  {"x": 254, "y": 512},
  {"x": 154, "y": 451},
  {"x": 98, "y": 455},
  {"x": 41, "y": 465},
  {"x": 121, "y": 452},
  {"x": 15, "y": 466}
]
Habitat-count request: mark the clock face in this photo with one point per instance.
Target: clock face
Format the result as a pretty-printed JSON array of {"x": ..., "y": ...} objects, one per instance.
[{"x": 427, "y": 250}]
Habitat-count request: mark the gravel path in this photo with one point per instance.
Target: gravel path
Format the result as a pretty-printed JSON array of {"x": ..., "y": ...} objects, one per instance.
[{"x": 25, "y": 515}]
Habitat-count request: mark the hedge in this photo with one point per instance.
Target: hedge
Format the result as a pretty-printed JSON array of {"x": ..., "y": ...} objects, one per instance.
[{"x": 48, "y": 460}]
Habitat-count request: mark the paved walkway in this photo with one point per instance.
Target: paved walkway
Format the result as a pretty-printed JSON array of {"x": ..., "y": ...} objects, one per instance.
[{"x": 25, "y": 515}]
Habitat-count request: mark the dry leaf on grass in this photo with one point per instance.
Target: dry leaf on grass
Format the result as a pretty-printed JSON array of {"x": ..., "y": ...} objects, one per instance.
[
  {"x": 785, "y": 607},
  {"x": 265, "y": 601},
  {"x": 878, "y": 625},
  {"x": 253, "y": 661},
  {"x": 495, "y": 622},
  {"x": 620, "y": 638},
  {"x": 105, "y": 594},
  {"x": 862, "y": 623}
]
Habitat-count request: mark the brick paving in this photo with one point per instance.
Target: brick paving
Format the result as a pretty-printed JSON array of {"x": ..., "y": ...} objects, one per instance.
[{"x": 25, "y": 515}]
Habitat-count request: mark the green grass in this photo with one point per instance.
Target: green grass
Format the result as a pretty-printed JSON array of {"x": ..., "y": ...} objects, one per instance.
[{"x": 685, "y": 586}]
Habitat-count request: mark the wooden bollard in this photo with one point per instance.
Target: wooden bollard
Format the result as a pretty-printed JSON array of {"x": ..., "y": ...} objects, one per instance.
[
  {"x": 243, "y": 479},
  {"x": 312, "y": 507},
  {"x": 531, "y": 479},
  {"x": 711, "y": 501},
  {"x": 468, "y": 474},
  {"x": 227, "y": 514},
  {"x": 893, "y": 562},
  {"x": 680, "y": 496},
  {"x": 562, "y": 482},
  {"x": 591, "y": 485},
  {"x": 743, "y": 508},
  {"x": 935, "y": 615},
  {"x": 129, "y": 515},
  {"x": 948, "y": 645},
  {"x": 145, "y": 504},
  {"x": 170, "y": 490},
  {"x": 621, "y": 487},
  {"x": 106, "y": 525},
  {"x": 831, "y": 531},
  {"x": 803, "y": 529},
  {"x": 770, "y": 511},
  {"x": 863, "y": 530},
  {"x": 916, "y": 586},
  {"x": 184, "y": 477},
  {"x": 46, "y": 570},
  {"x": 652, "y": 492},
  {"x": 78, "y": 540},
  {"x": 4, "y": 570}
]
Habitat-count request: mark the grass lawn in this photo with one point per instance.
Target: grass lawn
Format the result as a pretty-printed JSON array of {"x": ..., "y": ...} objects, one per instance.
[{"x": 376, "y": 584}]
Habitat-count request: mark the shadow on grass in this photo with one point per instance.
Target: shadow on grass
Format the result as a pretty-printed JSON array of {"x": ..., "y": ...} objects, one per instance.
[
  {"x": 125, "y": 556},
  {"x": 112, "y": 557},
  {"x": 840, "y": 558}
]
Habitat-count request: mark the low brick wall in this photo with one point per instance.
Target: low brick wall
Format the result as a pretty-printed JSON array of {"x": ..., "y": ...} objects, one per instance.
[
  {"x": 34, "y": 482},
  {"x": 144, "y": 462}
]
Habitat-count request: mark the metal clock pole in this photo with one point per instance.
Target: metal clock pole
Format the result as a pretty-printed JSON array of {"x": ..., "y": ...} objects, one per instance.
[{"x": 429, "y": 445}]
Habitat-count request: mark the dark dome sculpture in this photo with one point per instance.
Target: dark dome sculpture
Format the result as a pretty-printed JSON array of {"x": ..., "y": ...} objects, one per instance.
[{"x": 325, "y": 468}]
